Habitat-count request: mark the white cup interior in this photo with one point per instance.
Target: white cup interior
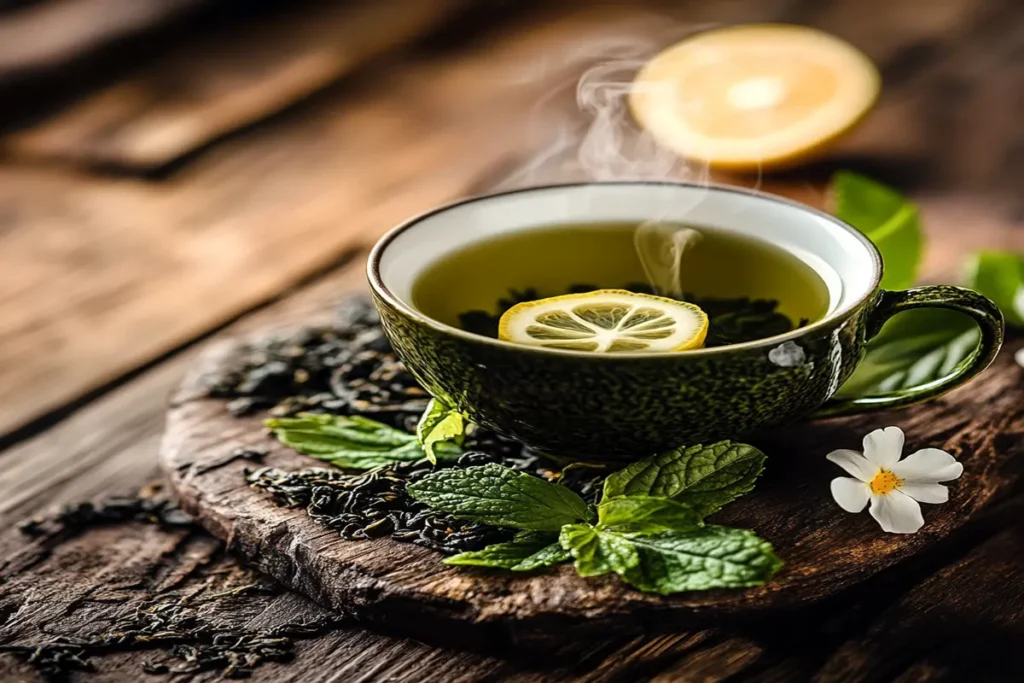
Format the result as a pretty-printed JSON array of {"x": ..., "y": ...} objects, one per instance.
[{"x": 843, "y": 258}]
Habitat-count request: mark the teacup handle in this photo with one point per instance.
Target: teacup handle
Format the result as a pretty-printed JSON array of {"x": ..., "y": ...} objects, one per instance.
[{"x": 984, "y": 312}]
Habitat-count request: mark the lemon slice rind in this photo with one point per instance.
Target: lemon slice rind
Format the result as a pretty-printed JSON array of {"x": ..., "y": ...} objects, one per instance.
[
  {"x": 659, "y": 102},
  {"x": 605, "y": 321}
]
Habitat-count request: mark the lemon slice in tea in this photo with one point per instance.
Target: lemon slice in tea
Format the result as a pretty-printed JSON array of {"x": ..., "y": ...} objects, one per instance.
[
  {"x": 605, "y": 321},
  {"x": 754, "y": 96}
]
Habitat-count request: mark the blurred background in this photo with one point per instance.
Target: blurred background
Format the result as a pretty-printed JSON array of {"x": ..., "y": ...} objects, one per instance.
[{"x": 168, "y": 165}]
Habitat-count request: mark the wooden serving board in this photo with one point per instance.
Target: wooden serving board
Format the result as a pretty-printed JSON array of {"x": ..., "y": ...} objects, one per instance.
[{"x": 405, "y": 586}]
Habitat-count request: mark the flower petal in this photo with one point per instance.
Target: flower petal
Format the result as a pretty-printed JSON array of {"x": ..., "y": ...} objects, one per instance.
[
  {"x": 928, "y": 465},
  {"x": 854, "y": 463},
  {"x": 1019, "y": 357},
  {"x": 924, "y": 492},
  {"x": 884, "y": 446},
  {"x": 852, "y": 495},
  {"x": 896, "y": 513}
]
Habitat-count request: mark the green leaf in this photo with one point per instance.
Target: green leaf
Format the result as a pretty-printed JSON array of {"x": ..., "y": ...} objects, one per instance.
[
  {"x": 999, "y": 275},
  {"x": 350, "y": 442},
  {"x": 440, "y": 423},
  {"x": 500, "y": 496},
  {"x": 700, "y": 559},
  {"x": 529, "y": 550},
  {"x": 597, "y": 551},
  {"x": 888, "y": 219},
  {"x": 643, "y": 514},
  {"x": 912, "y": 349},
  {"x": 703, "y": 477}
]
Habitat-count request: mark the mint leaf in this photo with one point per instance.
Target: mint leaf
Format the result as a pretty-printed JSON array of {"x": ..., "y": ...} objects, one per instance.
[
  {"x": 999, "y": 275},
  {"x": 700, "y": 559},
  {"x": 439, "y": 423},
  {"x": 913, "y": 348},
  {"x": 888, "y": 219},
  {"x": 529, "y": 550},
  {"x": 500, "y": 496},
  {"x": 350, "y": 442},
  {"x": 596, "y": 551},
  {"x": 643, "y": 514},
  {"x": 703, "y": 477}
]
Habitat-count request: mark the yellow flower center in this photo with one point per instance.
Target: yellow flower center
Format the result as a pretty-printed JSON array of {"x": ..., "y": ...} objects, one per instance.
[{"x": 885, "y": 482}]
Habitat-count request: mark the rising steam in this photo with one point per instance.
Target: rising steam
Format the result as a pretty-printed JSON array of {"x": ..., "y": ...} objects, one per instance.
[{"x": 597, "y": 139}]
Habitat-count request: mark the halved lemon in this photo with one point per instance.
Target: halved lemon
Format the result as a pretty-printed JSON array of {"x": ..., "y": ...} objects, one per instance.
[
  {"x": 754, "y": 96},
  {"x": 605, "y": 321}
]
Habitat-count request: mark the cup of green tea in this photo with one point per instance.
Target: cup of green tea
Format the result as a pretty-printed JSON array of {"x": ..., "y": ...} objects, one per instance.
[{"x": 791, "y": 294}]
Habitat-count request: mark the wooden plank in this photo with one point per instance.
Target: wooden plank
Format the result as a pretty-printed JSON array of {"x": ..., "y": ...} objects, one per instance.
[
  {"x": 960, "y": 624},
  {"x": 224, "y": 79},
  {"x": 45, "y": 35},
  {"x": 112, "y": 444},
  {"x": 100, "y": 275}
]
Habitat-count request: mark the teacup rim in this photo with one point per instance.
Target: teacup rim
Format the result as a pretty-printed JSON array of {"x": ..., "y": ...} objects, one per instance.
[{"x": 377, "y": 282}]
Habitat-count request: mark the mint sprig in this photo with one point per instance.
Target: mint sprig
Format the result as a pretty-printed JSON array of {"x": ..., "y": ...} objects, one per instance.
[
  {"x": 352, "y": 442},
  {"x": 598, "y": 551},
  {"x": 500, "y": 496},
  {"x": 703, "y": 477},
  {"x": 646, "y": 515},
  {"x": 700, "y": 559},
  {"x": 527, "y": 551},
  {"x": 648, "y": 527},
  {"x": 439, "y": 423}
]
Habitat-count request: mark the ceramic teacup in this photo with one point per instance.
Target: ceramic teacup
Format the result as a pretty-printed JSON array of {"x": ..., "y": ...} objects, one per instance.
[{"x": 626, "y": 406}]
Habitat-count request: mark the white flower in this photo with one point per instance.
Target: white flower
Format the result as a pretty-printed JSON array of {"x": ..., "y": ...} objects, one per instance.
[
  {"x": 894, "y": 487},
  {"x": 1019, "y": 357}
]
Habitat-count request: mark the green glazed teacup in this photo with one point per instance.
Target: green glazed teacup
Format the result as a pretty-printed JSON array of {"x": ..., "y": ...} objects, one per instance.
[{"x": 628, "y": 405}]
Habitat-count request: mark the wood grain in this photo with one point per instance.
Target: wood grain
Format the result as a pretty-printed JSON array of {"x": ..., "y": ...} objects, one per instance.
[
  {"x": 47, "y": 34},
  {"x": 105, "y": 274},
  {"x": 945, "y": 121},
  {"x": 223, "y": 80}
]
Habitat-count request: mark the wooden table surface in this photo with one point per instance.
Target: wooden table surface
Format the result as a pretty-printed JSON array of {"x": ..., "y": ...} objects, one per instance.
[{"x": 213, "y": 177}]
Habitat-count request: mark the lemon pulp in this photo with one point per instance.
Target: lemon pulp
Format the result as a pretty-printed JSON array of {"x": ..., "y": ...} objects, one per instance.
[
  {"x": 606, "y": 321},
  {"x": 753, "y": 96}
]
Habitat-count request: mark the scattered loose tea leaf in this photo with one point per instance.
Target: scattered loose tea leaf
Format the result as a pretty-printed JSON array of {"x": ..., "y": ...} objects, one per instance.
[
  {"x": 348, "y": 368},
  {"x": 500, "y": 496},
  {"x": 179, "y": 629},
  {"x": 373, "y": 505},
  {"x": 529, "y": 550},
  {"x": 888, "y": 219},
  {"x": 74, "y": 518},
  {"x": 645, "y": 514},
  {"x": 703, "y": 477},
  {"x": 440, "y": 424}
]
